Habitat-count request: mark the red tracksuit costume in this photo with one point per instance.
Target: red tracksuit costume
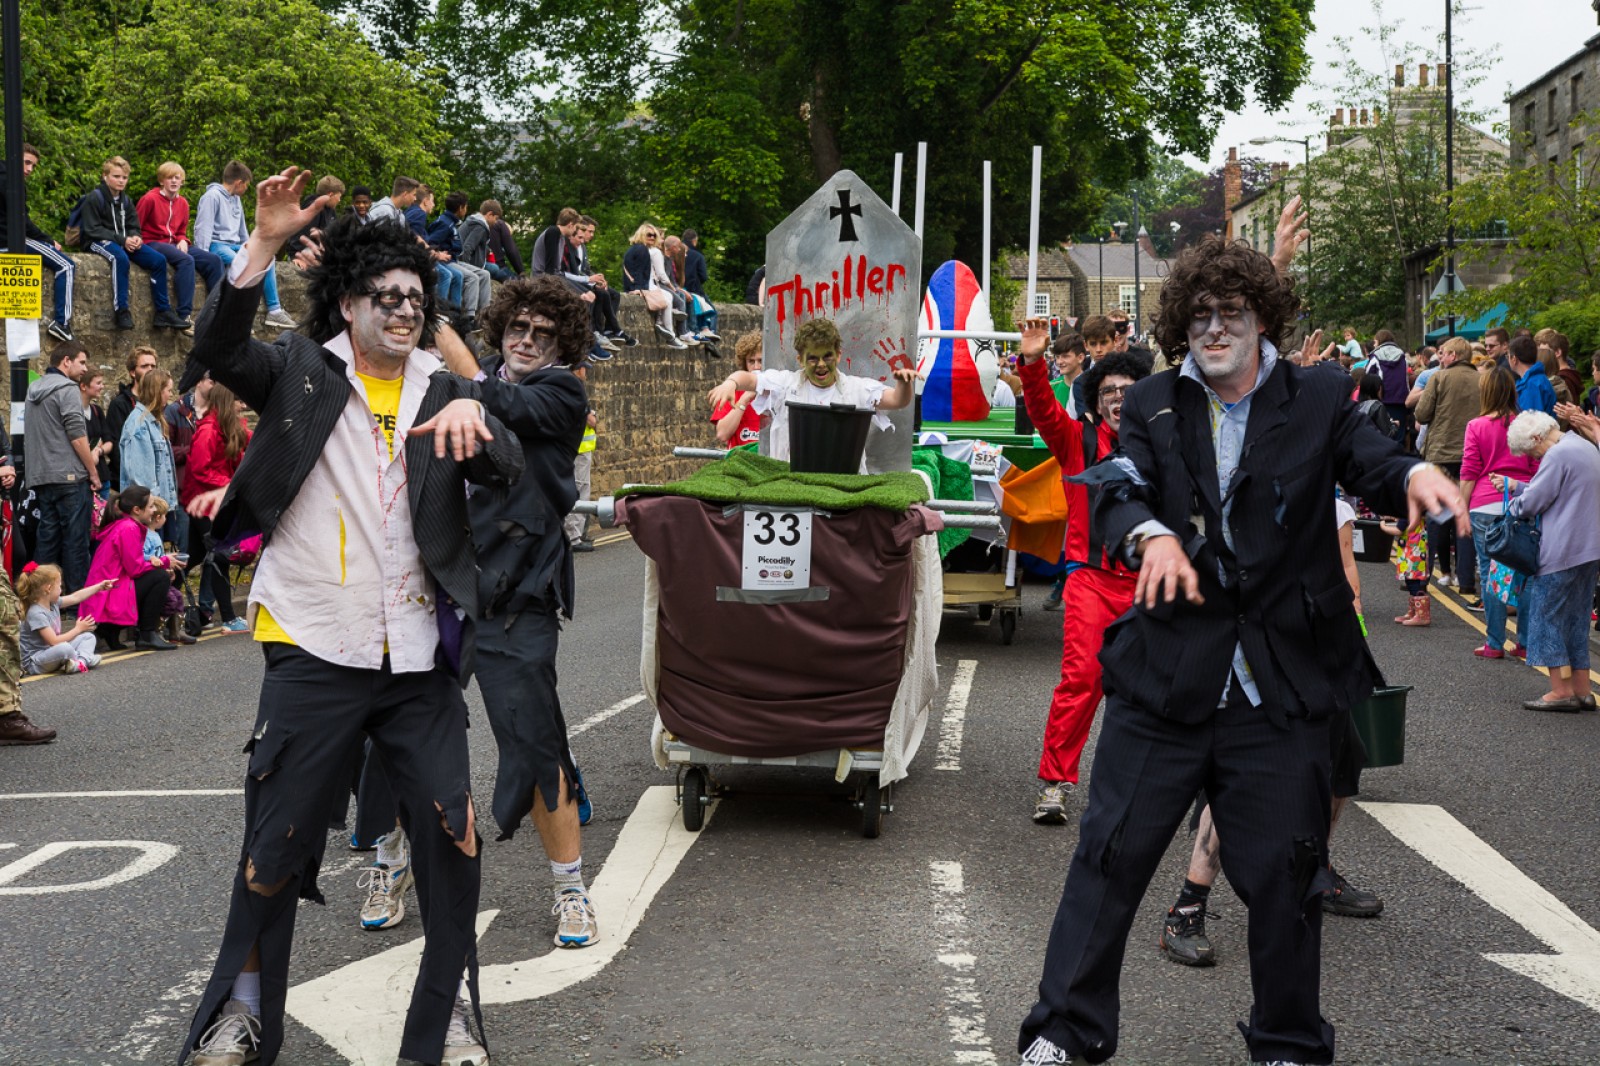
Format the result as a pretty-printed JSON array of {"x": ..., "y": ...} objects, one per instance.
[{"x": 1097, "y": 591}]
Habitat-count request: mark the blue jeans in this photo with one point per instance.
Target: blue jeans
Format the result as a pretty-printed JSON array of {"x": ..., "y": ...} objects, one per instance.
[
  {"x": 450, "y": 284},
  {"x": 226, "y": 251},
  {"x": 64, "y": 515},
  {"x": 1494, "y": 612},
  {"x": 498, "y": 272},
  {"x": 146, "y": 259}
]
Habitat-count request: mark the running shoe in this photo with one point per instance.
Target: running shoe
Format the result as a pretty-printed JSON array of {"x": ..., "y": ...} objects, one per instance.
[
  {"x": 1183, "y": 936},
  {"x": 575, "y": 925},
  {"x": 1348, "y": 900},
  {"x": 460, "y": 1049},
  {"x": 386, "y": 894},
  {"x": 233, "y": 1040},
  {"x": 1489, "y": 651},
  {"x": 1052, "y": 806},
  {"x": 59, "y": 332},
  {"x": 1044, "y": 1053},
  {"x": 280, "y": 319},
  {"x": 585, "y": 808},
  {"x": 236, "y": 625}
]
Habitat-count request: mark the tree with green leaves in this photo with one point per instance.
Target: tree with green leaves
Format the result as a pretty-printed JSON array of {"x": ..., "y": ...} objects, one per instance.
[
  {"x": 270, "y": 82},
  {"x": 1551, "y": 220},
  {"x": 1377, "y": 194}
]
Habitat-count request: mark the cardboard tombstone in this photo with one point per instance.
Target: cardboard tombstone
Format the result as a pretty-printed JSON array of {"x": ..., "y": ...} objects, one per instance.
[{"x": 844, "y": 256}]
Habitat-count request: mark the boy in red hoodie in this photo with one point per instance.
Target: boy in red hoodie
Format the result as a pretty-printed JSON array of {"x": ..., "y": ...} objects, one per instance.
[
  {"x": 164, "y": 228},
  {"x": 1099, "y": 587}
]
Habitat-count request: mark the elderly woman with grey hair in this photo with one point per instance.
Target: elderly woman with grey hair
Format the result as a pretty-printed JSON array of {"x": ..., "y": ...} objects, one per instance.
[{"x": 1565, "y": 494}]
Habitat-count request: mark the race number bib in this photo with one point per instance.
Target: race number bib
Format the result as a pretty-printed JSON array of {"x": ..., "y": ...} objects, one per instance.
[{"x": 777, "y": 549}]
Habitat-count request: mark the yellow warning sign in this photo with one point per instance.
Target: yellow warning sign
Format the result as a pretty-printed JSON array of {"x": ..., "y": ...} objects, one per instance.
[{"x": 21, "y": 286}]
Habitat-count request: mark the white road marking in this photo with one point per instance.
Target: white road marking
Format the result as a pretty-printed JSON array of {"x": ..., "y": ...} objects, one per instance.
[
  {"x": 963, "y": 1007},
  {"x": 4, "y": 847},
  {"x": 601, "y": 716},
  {"x": 359, "y": 1009},
  {"x": 126, "y": 794},
  {"x": 157, "y": 1027},
  {"x": 1432, "y": 832},
  {"x": 955, "y": 716},
  {"x": 152, "y": 854}
]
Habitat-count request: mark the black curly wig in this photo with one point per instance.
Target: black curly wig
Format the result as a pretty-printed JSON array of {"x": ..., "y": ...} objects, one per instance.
[
  {"x": 1220, "y": 268},
  {"x": 547, "y": 295},
  {"x": 1117, "y": 364},
  {"x": 353, "y": 257}
]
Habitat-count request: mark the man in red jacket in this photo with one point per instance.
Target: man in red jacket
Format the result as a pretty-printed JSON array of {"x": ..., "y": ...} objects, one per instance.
[
  {"x": 1099, "y": 587},
  {"x": 164, "y": 228}
]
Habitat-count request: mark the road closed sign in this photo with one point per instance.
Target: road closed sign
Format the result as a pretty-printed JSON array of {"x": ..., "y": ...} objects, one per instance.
[{"x": 21, "y": 286}]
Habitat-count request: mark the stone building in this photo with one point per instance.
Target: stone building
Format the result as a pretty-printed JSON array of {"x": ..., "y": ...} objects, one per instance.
[
  {"x": 1078, "y": 280},
  {"x": 1544, "y": 110}
]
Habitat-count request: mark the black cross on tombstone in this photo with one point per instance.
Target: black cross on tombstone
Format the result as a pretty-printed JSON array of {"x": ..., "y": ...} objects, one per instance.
[{"x": 847, "y": 225}]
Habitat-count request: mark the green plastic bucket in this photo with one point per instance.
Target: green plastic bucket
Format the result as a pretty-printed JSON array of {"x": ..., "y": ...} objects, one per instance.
[{"x": 1381, "y": 722}]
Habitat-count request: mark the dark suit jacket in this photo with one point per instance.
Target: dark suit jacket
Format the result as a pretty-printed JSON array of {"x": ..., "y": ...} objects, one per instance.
[
  {"x": 523, "y": 554},
  {"x": 1282, "y": 592},
  {"x": 298, "y": 389}
]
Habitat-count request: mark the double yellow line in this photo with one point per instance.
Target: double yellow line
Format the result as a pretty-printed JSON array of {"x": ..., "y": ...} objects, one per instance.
[{"x": 1456, "y": 608}]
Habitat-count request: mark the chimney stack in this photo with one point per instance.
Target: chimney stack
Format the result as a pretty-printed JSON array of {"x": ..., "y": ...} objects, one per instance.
[
  {"x": 1440, "y": 78},
  {"x": 1232, "y": 191},
  {"x": 1422, "y": 76},
  {"x": 1338, "y": 117},
  {"x": 1399, "y": 75},
  {"x": 1364, "y": 116}
]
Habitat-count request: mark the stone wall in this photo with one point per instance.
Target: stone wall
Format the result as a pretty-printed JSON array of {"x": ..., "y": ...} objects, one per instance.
[{"x": 648, "y": 398}]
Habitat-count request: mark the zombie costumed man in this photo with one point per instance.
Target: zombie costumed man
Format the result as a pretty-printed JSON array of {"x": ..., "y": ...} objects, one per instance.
[
  {"x": 363, "y": 603},
  {"x": 1099, "y": 585},
  {"x": 818, "y": 381},
  {"x": 1242, "y": 645}
]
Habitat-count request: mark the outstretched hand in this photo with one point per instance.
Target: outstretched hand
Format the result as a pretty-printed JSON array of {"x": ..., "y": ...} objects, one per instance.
[
  {"x": 1035, "y": 339},
  {"x": 726, "y": 392},
  {"x": 458, "y": 428},
  {"x": 1309, "y": 350},
  {"x": 1289, "y": 235},
  {"x": 279, "y": 215},
  {"x": 1431, "y": 492},
  {"x": 206, "y": 504},
  {"x": 1164, "y": 570}
]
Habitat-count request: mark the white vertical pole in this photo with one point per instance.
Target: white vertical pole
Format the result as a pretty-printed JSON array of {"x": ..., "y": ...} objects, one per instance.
[
  {"x": 1033, "y": 230},
  {"x": 894, "y": 202},
  {"x": 922, "y": 184},
  {"x": 986, "y": 214}
]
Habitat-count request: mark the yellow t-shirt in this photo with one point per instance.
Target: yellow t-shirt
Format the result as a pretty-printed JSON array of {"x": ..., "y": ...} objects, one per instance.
[{"x": 383, "y": 397}]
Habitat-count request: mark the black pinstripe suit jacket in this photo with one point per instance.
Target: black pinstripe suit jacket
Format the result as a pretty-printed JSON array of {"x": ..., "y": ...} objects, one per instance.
[
  {"x": 1281, "y": 591},
  {"x": 298, "y": 389}
]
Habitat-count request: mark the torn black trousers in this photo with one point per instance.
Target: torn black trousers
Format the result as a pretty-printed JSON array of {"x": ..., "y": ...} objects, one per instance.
[
  {"x": 312, "y": 716},
  {"x": 1269, "y": 790}
]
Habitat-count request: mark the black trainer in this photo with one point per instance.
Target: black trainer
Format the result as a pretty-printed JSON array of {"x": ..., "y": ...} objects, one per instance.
[
  {"x": 1347, "y": 900},
  {"x": 59, "y": 331},
  {"x": 166, "y": 320},
  {"x": 1183, "y": 936},
  {"x": 123, "y": 319}
]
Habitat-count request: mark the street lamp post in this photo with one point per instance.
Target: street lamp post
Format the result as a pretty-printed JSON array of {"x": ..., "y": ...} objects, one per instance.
[
  {"x": 16, "y": 196},
  {"x": 1119, "y": 226},
  {"x": 1305, "y": 189},
  {"x": 1449, "y": 171},
  {"x": 1100, "y": 277}
]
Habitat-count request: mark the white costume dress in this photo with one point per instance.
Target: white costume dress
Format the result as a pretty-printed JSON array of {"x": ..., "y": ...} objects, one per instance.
[{"x": 775, "y": 388}]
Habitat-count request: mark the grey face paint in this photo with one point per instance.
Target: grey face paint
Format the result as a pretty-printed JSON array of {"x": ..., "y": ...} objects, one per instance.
[
  {"x": 1224, "y": 337},
  {"x": 529, "y": 344},
  {"x": 386, "y": 334}
]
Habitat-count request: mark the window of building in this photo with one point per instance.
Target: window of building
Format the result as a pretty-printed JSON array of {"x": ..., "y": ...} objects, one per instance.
[
  {"x": 1579, "y": 178},
  {"x": 1553, "y": 170},
  {"x": 1550, "y": 109},
  {"x": 1125, "y": 297},
  {"x": 1041, "y": 305},
  {"x": 1574, "y": 109}
]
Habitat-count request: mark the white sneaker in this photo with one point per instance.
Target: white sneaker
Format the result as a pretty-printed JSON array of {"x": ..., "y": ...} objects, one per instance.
[
  {"x": 280, "y": 319},
  {"x": 689, "y": 339},
  {"x": 575, "y": 924},
  {"x": 1044, "y": 1053},
  {"x": 233, "y": 1040},
  {"x": 386, "y": 895},
  {"x": 460, "y": 1049}
]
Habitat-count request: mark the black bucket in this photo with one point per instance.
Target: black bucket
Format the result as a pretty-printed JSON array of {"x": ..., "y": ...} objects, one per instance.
[
  {"x": 1381, "y": 721},
  {"x": 827, "y": 439}
]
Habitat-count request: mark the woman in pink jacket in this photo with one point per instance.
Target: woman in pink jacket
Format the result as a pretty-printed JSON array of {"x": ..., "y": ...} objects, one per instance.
[
  {"x": 141, "y": 588},
  {"x": 1485, "y": 453}
]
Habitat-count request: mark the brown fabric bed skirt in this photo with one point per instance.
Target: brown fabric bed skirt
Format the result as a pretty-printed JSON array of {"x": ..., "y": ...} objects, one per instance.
[{"x": 772, "y": 679}]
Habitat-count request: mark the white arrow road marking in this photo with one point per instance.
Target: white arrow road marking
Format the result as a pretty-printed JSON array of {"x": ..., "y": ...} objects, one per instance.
[
  {"x": 955, "y": 716},
  {"x": 359, "y": 1009},
  {"x": 152, "y": 854},
  {"x": 1574, "y": 969},
  {"x": 963, "y": 1007}
]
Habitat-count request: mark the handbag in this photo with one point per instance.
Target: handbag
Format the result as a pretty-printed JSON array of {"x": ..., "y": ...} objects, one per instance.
[
  {"x": 1504, "y": 584},
  {"x": 657, "y": 299},
  {"x": 1513, "y": 539}
]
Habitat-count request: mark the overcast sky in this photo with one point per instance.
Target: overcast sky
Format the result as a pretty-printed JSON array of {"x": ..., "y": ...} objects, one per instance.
[{"x": 1528, "y": 37}]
